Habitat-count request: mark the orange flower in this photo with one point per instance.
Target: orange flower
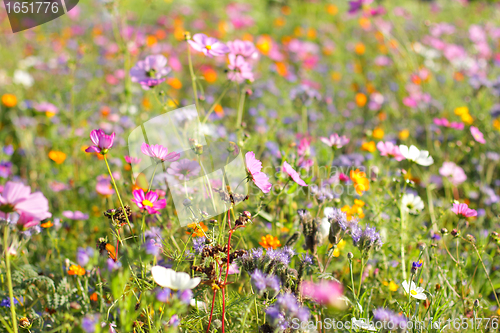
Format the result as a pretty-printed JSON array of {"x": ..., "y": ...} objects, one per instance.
[
  {"x": 210, "y": 75},
  {"x": 270, "y": 241},
  {"x": 198, "y": 229},
  {"x": 361, "y": 99},
  {"x": 404, "y": 134},
  {"x": 9, "y": 100},
  {"x": 76, "y": 270},
  {"x": 57, "y": 156},
  {"x": 93, "y": 297},
  {"x": 174, "y": 83},
  {"x": 332, "y": 9},
  {"x": 361, "y": 183},
  {"x": 360, "y": 48},
  {"x": 355, "y": 211},
  {"x": 47, "y": 224},
  {"x": 378, "y": 133},
  {"x": 219, "y": 110}
]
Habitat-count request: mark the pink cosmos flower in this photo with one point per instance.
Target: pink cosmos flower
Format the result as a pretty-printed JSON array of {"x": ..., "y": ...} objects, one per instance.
[
  {"x": 390, "y": 149},
  {"x": 103, "y": 186},
  {"x": 244, "y": 48},
  {"x": 148, "y": 201},
  {"x": 184, "y": 169},
  {"x": 26, "y": 221},
  {"x": 46, "y": 107},
  {"x": 159, "y": 152},
  {"x": 208, "y": 45},
  {"x": 463, "y": 210},
  {"x": 476, "y": 133},
  {"x": 150, "y": 72},
  {"x": 453, "y": 172},
  {"x": 239, "y": 69},
  {"x": 101, "y": 140},
  {"x": 253, "y": 169},
  {"x": 294, "y": 174},
  {"x": 335, "y": 141},
  {"x": 132, "y": 160},
  {"x": 18, "y": 198},
  {"x": 446, "y": 123},
  {"x": 324, "y": 292},
  {"x": 76, "y": 215}
]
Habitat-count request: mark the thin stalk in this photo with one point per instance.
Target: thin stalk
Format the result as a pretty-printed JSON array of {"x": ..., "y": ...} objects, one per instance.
[
  {"x": 486, "y": 272},
  {"x": 361, "y": 275},
  {"x": 239, "y": 119},
  {"x": 212, "y": 108},
  {"x": 211, "y": 311},
  {"x": 9, "y": 278},
  {"x": 193, "y": 81}
]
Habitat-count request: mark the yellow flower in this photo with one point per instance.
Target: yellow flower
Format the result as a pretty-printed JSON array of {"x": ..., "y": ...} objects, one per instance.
[
  {"x": 467, "y": 118},
  {"x": 361, "y": 183},
  {"x": 378, "y": 133},
  {"x": 461, "y": 110},
  {"x": 393, "y": 286},
  {"x": 269, "y": 241},
  {"x": 369, "y": 146},
  {"x": 336, "y": 76},
  {"x": 354, "y": 211},
  {"x": 361, "y": 99},
  {"x": 76, "y": 270},
  {"x": 332, "y": 9},
  {"x": 340, "y": 246},
  {"x": 496, "y": 124},
  {"x": 404, "y": 134},
  {"x": 9, "y": 100},
  {"x": 198, "y": 229},
  {"x": 336, "y": 252},
  {"x": 57, "y": 156}
]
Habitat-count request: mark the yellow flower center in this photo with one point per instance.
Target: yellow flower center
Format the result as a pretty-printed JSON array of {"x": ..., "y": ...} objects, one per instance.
[
  {"x": 147, "y": 203},
  {"x": 208, "y": 47},
  {"x": 413, "y": 292}
]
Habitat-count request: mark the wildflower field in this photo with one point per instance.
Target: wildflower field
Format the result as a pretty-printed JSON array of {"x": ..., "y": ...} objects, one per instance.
[{"x": 264, "y": 166}]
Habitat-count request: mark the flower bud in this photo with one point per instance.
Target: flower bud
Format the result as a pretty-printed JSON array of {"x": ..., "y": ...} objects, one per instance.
[
  {"x": 444, "y": 231},
  {"x": 350, "y": 255},
  {"x": 476, "y": 303}
]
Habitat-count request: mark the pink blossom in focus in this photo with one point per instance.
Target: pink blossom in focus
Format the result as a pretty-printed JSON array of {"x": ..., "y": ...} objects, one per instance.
[
  {"x": 244, "y": 48},
  {"x": 148, "y": 201},
  {"x": 254, "y": 167},
  {"x": 132, "y": 160},
  {"x": 335, "y": 141},
  {"x": 463, "y": 210},
  {"x": 294, "y": 174},
  {"x": 390, "y": 149},
  {"x": 16, "y": 197},
  {"x": 101, "y": 140},
  {"x": 209, "y": 46},
  {"x": 239, "y": 69},
  {"x": 159, "y": 152}
]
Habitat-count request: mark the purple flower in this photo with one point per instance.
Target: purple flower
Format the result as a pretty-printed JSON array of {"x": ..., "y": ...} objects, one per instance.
[
  {"x": 174, "y": 321},
  {"x": 150, "y": 71},
  {"x": 113, "y": 265},
  {"x": 199, "y": 244},
  {"x": 239, "y": 69},
  {"x": 5, "y": 169},
  {"x": 8, "y": 150},
  {"x": 83, "y": 255},
  {"x": 102, "y": 142},
  {"x": 263, "y": 282},
  {"x": 397, "y": 322},
  {"x": 282, "y": 256},
  {"x": 89, "y": 323},
  {"x": 163, "y": 295},
  {"x": 368, "y": 239},
  {"x": 185, "y": 296},
  {"x": 307, "y": 259},
  {"x": 284, "y": 310},
  {"x": 184, "y": 169},
  {"x": 152, "y": 247},
  {"x": 208, "y": 45}
]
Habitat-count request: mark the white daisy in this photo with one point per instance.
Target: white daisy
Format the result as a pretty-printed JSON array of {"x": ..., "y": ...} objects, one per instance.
[
  {"x": 412, "y": 203},
  {"x": 363, "y": 324},
  {"x": 414, "y": 291},
  {"x": 168, "y": 278},
  {"x": 413, "y": 154}
]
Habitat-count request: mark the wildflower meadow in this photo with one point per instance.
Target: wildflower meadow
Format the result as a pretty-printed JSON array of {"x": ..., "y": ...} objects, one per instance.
[{"x": 251, "y": 166}]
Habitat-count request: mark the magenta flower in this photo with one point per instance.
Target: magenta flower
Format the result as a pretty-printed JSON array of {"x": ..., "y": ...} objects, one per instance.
[
  {"x": 18, "y": 198},
  {"x": 453, "y": 172},
  {"x": 463, "y": 210},
  {"x": 244, "y": 48},
  {"x": 184, "y": 169},
  {"x": 239, "y": 69},
  {"x": 446, "y": 123},
  {"x": 390, "y": 149},
  {"x": 254, "y": 167},
  {"x": 76, "y": 215},
  {"x": 132, "y": 160},
  {"x": 476, "y": 133},
  {"x": 101, "y": 140},
  {"x": 149, "y": 201},
  {"x": 335, "y": 141},
  {"x": 325, "y": 292},
  {"x": 26, "y": 221},
  {"x": 208, "y": 45},
  {"x": 159, "y": 152},
  {"x": 294, "y": 174},
  {"x": 150, "y": 72}
]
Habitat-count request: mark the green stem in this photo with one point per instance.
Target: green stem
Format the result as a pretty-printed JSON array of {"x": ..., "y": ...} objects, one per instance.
[
  {"x": 212, "y": 108},
  {"x": 9, "y": 278},
  {"x": 361, "y": 276},
  {"x": 403, "y": 260},
  {"x": 152, "y": 178},
  {"x": 352, "y": 282},
  {"x": 193, "y": 81},
  {"x": 239, "y": 119},
  {"x": 117, "y": 193},
  {"x": 304, "y": 119}
]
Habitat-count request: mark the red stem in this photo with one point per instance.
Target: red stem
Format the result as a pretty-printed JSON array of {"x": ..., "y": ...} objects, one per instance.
[
  {"x": 116, "y": 250},
  {"x": 227, "y": 269},
  {"x": 211, "y": 311}
]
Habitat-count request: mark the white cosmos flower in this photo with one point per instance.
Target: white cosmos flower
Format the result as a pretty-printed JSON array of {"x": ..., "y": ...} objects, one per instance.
[
  {"x": 416, "y": 155},
  {"x": 414, "y": 291},
  {"x": 168, "y": 278},
  {"x": 412, "y": 203},
  {"x": 363, "y": 324},
  {"x": 198, "y": 304},
  {"x": 23, "y": 78}
]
